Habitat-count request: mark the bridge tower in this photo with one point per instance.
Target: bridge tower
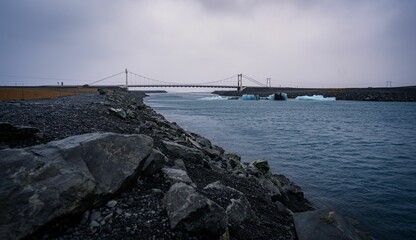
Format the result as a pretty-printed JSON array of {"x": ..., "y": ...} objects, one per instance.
[
  {"x": 268, "y": 82},
  {"x": 239, "y": 82},
  {"x": 127, "y": 82}
]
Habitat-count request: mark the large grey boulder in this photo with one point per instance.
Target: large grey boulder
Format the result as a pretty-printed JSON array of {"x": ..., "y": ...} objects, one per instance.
[
  {"x": 190, "y": 210},
  {"x": 176, "y": 175},
  {"x": 270, "y": 188},
  {"x": 324, "y": 224},
  {"x": 239, "y": 210},
  {"x": 40, "y": 183},
  {"x": 186, "y": 153},
  {"x": 261, "y": 165},
  {"x": 278, "y": 187}
]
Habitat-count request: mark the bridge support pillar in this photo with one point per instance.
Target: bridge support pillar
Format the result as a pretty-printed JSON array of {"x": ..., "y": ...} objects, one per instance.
[
  {"x": 239, "y": 83},
  {"x": 127, "y": 82}
]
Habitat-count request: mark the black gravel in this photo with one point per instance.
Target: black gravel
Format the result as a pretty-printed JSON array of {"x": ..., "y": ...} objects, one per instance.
[{"x": 139, "y": 211}]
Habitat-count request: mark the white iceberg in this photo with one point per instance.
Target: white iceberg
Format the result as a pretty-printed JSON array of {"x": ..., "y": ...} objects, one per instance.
[
  {"x": 250, "y": 97},
  {"x": 315, "y": 98}
]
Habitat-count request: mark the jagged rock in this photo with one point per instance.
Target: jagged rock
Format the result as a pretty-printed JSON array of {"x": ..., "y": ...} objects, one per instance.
[
  {"x": 179, "y": 164},
  {"x": 176, "y": 175},
  {"x": 291, "y": 194},
  {"x": 43, "y": 182},
  {"x": 278, "y": 187},
  {"x": 324, "y": 224},
  {"x": 251, "y": 170},
  {"x": 220, "y": 149},
  {"x": 239, "y": 210},
  {"x": 218, "y": 167},
  {"x": 270, "y": 188},
  {"x": 280, "y": 179},
  {"x": 119, "y": 112},
  {"x": 296, "y": 202},
  {"x": 211, "y": 152},
  {"x": 149, "y": 125},
  {"x": 294, "y": 189},
  {"x": 195, "y": 144},
  {"x": 221, "y": 164},
  {"x": 232, "y": 156},
  {"x": 219, "y": 186},
  {"x": 184, "y": 152},
  {"x": 283, "y": 208},
  {"x": 234, "y": 164},
  {"x": 203, "y": 141},
  {"x": 130, "y": 113},
  {"x": 189, "y": 210},
  {"x": 154, "y": 163},
  {"x": 261, "y": 165}
]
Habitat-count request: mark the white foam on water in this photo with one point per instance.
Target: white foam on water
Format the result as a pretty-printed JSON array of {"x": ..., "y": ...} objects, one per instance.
[
  {"x": 315, "y": 98},
  {"x": 214, "y": 98}
]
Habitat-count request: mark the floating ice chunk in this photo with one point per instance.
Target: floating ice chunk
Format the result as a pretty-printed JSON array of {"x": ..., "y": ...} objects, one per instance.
[
  {"x": 277, "y": 96},
  {"x": 316, "y": 98},
  {"x": 250, "y": 97}
]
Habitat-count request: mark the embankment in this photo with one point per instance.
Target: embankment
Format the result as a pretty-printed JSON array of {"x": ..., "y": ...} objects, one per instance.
[{"x": 122, "y": 171}]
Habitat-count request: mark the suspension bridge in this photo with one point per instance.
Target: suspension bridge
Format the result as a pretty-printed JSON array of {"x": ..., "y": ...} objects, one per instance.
[{"x": 139, "y": 81}]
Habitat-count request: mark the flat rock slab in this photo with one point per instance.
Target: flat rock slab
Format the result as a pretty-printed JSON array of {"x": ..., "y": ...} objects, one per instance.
[
  {"x": 186, "y": 153},
  {"x": 323, "y": 224},
  {"x": 177, "y": 175}
]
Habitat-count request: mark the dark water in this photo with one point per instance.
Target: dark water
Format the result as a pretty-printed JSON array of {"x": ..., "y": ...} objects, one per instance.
[{"x": 359, "y": 157}]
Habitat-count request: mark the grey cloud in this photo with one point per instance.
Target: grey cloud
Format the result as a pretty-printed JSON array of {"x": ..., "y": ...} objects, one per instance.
[{"x": 297, "y": 43}]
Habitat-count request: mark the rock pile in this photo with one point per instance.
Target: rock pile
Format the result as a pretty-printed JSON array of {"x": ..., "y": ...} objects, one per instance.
[{"x": 152, "y": 180}]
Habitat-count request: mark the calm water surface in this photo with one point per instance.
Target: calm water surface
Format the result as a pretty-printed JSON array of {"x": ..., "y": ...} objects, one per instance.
[{"x": 359, "y": 157}]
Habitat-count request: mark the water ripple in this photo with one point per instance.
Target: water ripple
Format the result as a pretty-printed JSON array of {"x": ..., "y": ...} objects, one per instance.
[{"x": 359, "y": 157}]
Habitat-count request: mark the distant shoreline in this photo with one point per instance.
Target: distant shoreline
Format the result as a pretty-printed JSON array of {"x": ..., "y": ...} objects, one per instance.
[
  {"x": 392, "y": 94},
  {"x": 46, "y": 92}
]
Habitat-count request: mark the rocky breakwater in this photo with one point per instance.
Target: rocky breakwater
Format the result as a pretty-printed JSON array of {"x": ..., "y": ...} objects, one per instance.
[{"x": 147, "y": 179}]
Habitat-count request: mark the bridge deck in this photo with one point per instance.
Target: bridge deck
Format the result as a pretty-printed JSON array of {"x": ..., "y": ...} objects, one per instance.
[{"x": 181, "y": 86}]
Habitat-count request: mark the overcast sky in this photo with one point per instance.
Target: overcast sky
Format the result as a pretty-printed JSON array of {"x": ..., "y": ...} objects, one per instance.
[{"x": 304, "y": 43}]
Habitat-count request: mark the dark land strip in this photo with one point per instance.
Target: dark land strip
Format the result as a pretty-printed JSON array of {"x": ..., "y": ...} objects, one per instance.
[{"x": 391, "y": 94}]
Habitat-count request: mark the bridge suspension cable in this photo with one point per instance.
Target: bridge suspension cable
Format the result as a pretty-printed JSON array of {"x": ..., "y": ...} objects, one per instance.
[
  {"x": 217, "y": 81},
  {"x": 174, "y": 83},
  {"x": 254, "y": 81},
  {"x": 107, "y": 78},
  {"x": 151, "y": 79}
]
